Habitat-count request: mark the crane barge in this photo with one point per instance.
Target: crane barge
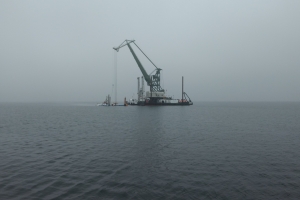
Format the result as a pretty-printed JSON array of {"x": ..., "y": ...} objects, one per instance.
[{"x": 156, "y": 96}]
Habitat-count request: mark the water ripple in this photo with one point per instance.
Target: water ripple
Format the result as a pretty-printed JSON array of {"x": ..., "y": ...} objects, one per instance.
[{"x": 206, "y": 151}]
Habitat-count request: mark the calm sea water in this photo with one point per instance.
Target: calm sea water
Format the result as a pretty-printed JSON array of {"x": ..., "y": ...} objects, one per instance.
[{"x": 204, "y": 151}]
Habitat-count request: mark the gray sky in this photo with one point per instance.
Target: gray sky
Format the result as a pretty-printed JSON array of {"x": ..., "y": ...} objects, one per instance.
[{"x": 226, "y": 50}]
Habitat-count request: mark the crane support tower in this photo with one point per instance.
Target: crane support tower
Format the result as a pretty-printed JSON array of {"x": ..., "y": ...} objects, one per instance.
[{"x": 156, "y": 96}]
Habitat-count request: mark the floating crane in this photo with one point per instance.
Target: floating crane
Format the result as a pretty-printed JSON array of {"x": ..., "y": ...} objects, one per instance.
[{"x": 157, "y": 93}]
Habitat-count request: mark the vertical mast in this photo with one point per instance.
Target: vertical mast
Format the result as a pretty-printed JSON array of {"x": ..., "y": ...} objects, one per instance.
[
  {"x": 138, "y": 90},
  {"x": 115, "y": 63},
  {"x": 182, "y": 91},
  {"x": 108, "y": 103},
  {"x": 143, "y": 88}
]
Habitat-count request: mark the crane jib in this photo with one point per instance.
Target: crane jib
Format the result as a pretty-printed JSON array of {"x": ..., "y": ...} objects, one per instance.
[
  {"x": 146, "y": 76},
  {"x": 152, "y": 80}
]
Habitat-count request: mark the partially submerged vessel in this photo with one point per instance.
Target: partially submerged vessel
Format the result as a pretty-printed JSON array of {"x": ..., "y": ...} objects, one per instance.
[{"x": 106, "y": 102}]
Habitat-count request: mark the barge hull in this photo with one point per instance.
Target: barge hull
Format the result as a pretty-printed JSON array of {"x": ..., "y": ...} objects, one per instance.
[{"x": 164, "y": 104}]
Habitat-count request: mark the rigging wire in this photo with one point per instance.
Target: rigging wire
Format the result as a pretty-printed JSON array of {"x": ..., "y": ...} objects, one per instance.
[
  {"x": 163, "y": 78},
  {"x": 145, "y": 54}
]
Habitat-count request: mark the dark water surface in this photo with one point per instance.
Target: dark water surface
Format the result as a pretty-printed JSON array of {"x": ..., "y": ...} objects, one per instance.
[{"x": 205, "y": 151}]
